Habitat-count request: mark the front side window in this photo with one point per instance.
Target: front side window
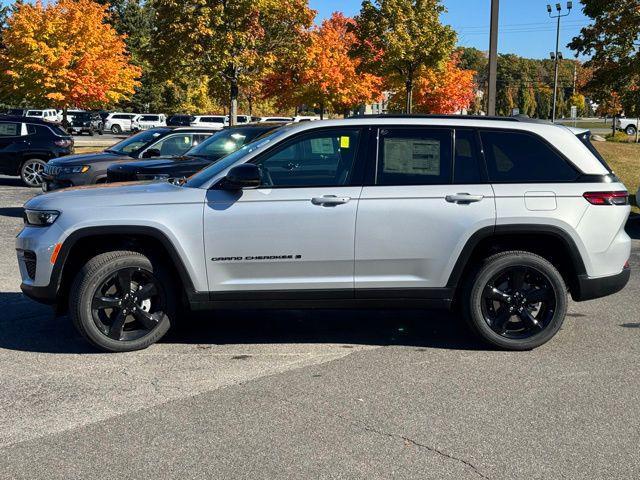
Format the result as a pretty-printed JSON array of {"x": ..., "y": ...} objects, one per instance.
[
  {"x": 136, "y": 142},
  {"x": 515, "y": 157},
  {"x": 414, "y": 156},
  {"x": 173, "y": 145},
  {"x": 323, "y": 158},
  {"x": 9, "y": 129}
]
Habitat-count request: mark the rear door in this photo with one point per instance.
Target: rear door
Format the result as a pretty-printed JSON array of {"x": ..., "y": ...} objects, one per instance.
[{"x": 426, "y": 195}]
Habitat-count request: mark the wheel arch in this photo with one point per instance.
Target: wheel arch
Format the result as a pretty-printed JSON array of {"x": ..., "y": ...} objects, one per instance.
[
  {"x": 551, "y": 242},
  {"x": 87, "y": 242}
]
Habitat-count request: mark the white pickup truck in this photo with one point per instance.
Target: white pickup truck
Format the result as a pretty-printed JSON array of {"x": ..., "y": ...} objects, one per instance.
[{"x": 628, "y": 125}]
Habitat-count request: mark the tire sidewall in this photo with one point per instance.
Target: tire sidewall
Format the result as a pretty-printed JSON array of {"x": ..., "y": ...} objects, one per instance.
[
  {"x": 493, "y": 267},
  {"x": 86, "y": 285}
]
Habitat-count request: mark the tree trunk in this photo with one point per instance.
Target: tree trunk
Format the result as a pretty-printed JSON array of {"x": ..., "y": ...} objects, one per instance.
[
  {"x": 613, "y": 125},
  {"x": 322, "y": 110},
  {"x": 233, "y": 103},
  {"x": 65, "y": 124},
  {"x": 637, "y": 128},
  {"x": 250, "y": 104},
  {"x": 409, "y": 93}
]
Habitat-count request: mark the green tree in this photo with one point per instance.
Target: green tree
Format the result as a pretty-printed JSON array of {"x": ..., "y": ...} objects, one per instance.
[
  {"x": 231, "y": 41},
  {"x": 398, "y": 39}
]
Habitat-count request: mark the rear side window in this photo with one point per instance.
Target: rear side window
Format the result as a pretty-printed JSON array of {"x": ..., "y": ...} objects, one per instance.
[
  {"x": 9, "y": 129},
  {"x": 585, "y": 138},
  {"x": 467, "y": 164},
  {"x": 514, "y": 157},
  {"x": 416, "y": 156}
]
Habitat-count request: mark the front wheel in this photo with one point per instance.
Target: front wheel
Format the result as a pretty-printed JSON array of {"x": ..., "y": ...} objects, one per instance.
[
  {"x": 120, "y": 301},
  {"x": 116, "y": 129},
  {"x": 31, "y": 172},
  {"x": 516, "y": 300},
  {"x": 630, "y": 130}
]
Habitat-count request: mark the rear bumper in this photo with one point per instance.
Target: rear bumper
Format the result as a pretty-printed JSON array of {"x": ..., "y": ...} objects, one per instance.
[{"x": 589, "y": 288}]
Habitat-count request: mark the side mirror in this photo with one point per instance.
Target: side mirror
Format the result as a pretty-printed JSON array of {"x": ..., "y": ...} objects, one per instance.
[
  {"x": 152, "y": 152},
  {"x": 242, "y": 176}
]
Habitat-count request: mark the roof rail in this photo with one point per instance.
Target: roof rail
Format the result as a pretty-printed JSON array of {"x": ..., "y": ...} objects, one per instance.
[{"x": 516, "y": 118}]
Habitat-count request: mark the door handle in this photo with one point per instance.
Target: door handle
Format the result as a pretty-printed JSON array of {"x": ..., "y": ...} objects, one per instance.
[
  {"x": 329, "y": 200},
  {"x": 463, "y": 198}
]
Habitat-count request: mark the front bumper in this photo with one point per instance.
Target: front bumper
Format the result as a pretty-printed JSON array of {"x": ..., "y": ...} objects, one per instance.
[
  {"x": 51, "y": 183},
  {"x": 588, "y": 288}
]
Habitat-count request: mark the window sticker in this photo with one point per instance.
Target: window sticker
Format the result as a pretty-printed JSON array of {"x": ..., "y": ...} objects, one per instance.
[
  {"x": 344, "y": 142},
  {"x": 322, "y": 146},
  {"x": 412, "y": 156}
]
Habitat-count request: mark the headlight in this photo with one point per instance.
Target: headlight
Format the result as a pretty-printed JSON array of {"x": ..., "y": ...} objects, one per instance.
[
  {"x": 78, "y": 169},
  {"x": 40, "y": 218}
]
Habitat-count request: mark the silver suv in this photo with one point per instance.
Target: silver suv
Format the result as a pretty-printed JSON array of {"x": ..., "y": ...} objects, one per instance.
[{"x": 499, "y": 218}]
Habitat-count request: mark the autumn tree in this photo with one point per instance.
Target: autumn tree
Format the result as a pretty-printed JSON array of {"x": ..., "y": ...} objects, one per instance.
[
  {"x": 446, "y": 90},
  {"x": 65, "y": 54},
  {"x": 233, "y": 40},
  {"x": 398, "y": 39},
  {"x": 326, "y": 76},
  {"x": 612, "y": 41}
]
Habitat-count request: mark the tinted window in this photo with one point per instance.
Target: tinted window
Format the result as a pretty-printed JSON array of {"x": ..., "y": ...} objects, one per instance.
[
  {"x": 174, "y": 144},
  {"x": 149, "y": 118},
  {"x": 40, "y": 130},
  {"x": 34, "y": 113},
  {"x": 522, "y": 157},
  {"x": 324, "y": 158},
  {"x": 136, "y": 142},
  {"x": 9, "y": 129},
  {"x": 414, "y": 156},
  {"x": 467, "y": 165}
]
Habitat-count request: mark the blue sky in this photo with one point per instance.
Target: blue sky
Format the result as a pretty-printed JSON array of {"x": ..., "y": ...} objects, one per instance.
[{"x": 525, "y": 26}]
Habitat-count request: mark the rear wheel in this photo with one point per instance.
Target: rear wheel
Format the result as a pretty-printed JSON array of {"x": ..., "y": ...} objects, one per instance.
[
  {"x": 31, "y": 172},
  {"x": 116, "y": 129},
  {"x": 516, "y": 300},
  {"x": 630, "y": 130},
  {"x": 121, "y": 301}
]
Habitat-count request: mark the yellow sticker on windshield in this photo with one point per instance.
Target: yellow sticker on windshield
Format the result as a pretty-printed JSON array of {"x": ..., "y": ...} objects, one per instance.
[{"x": 344, "y": 142}]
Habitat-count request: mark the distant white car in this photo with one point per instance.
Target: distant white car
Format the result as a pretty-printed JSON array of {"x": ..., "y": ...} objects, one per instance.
[
  {"x": 305, "y": 119},
  {"x": 118, "y": 122},
  {"x": 274, "y": 119},
  {"x": 628, "y": 125},
  {"x": 48, "y": 114},
  {"x": 216, "y": 122},
  {"x": 149, "y": 120}
]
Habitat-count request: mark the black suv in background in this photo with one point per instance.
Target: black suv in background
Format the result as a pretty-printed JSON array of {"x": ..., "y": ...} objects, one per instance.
[
  {"x": 27, "y": 144},
  {"x": 180, "y": 120},
  {"x": 215, "y": 147},
  {"x": 89, "y": 122},
  {"x": 87, "y": 169}
]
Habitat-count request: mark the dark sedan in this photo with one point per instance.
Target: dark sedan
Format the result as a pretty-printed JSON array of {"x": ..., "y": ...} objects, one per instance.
[
  {"x": 220, "y": 144},
  {"x": 87, "y": 169}
]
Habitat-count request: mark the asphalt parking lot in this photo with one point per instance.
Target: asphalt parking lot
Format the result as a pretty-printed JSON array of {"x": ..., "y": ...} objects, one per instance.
[{"x": 320, "y": 394}]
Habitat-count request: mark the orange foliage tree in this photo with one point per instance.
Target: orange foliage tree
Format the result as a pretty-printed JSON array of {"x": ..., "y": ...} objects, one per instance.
[
  {"x": 326, "y": 75},
  {"x": 65, "y": 54},
  {"x": 448, "y": 90}
]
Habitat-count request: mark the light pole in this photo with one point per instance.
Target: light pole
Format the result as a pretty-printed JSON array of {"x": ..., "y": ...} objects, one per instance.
[
  {"x": 493, "y": 58},
  {"x": 557, "y": 57}
]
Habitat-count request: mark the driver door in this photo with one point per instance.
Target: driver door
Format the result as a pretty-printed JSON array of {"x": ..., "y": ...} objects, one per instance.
[{"x": 297, "y": 230}]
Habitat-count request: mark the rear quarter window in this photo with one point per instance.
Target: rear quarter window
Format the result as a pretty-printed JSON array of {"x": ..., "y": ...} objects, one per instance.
[
  {"x": 9, "y": 129},
  {"x": 519, "y": 157}
]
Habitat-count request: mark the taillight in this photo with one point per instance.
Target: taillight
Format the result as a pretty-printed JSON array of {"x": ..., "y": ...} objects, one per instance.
[
  {"x": 63, "y": 142},
  {"x": 607, "y": 198}
]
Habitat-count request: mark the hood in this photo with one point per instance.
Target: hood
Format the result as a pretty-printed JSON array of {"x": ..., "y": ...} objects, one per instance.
[
  {"x": 88, "y": 158},
  {"x": 115, "y": 195}
]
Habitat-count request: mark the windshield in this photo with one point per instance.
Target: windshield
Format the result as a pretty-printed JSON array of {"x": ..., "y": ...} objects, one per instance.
[
  {"x": 136, "y": 142},
  {"x": 203, "y": 176},
  {"x": 225, "y": 142}
]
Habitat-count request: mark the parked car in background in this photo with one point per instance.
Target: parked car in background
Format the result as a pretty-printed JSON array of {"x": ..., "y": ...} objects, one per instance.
[
  {"x": 627, "y": 125},
  {"x": 305, "y": 119},
  {"x": 86, "y": 122},
  {"x": 242, "y": 119},
  {"x": 27, "y": 144},
  {"x": 211, "y": 150},
  {"x": 119, "y": 122},
  {"x": 49, "y": 115},
  {"x": 149, "y": 120},
  {"x": 70, "y": 115},
  {"x": 274, "y": 119},
  {"x": 181, "y": 120},
  {"x": 87, "y": 169},
  {"x": 212, "y": 121}
]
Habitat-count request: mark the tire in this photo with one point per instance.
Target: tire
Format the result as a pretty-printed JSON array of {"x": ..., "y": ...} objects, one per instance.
[
  {"x": 98, "y": 287},
  {"x": 490, "y": 294},
  {"x": 31, "y": 172},
  {"x": 116, "y": 129},
  {"x": 92, "y": 132},
  {"x": 630, "y": 130}
]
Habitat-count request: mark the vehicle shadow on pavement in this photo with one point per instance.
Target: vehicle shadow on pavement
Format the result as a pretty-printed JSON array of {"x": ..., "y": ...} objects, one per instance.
[
  {"x": 14, "y": 212},
  {"x": 12, "y": 182},
  {"x": 28, "y": 326}
]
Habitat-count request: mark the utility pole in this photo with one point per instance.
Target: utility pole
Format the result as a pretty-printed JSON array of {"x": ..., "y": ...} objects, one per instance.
[
  {"x": 557, "y": 56},
  {"x": 493, "y": 58}
]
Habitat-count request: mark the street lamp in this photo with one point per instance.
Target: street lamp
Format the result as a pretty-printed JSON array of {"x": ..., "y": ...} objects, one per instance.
[{"x": 557, "y": 56}]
